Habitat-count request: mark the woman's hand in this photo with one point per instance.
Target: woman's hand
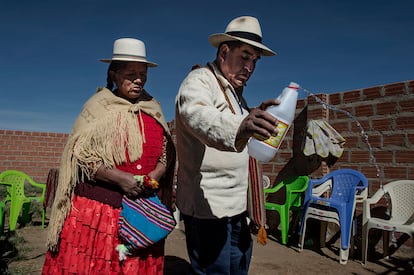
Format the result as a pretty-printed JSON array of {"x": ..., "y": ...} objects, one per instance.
[
  {"x": 131, "y": 187},
  {"x": 124, "y": 180},
  {"x": 158, "y": 172}
]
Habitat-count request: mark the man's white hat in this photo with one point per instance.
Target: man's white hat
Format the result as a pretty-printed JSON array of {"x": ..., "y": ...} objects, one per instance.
[
  {"x": 245, "y": 29},
  {"x": 129, "y": 49}
]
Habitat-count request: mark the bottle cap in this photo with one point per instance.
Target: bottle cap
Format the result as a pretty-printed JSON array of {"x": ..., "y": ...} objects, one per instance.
[{"x": 293, "y": 85}]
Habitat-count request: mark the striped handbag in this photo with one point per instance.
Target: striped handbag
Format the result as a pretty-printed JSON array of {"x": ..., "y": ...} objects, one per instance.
[{"x": 144, "y": 221}]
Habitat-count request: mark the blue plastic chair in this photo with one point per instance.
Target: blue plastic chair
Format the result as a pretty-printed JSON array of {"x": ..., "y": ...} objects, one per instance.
[
  {"x": 348, "y": 186},
  {"x": 294, "y": 189}
]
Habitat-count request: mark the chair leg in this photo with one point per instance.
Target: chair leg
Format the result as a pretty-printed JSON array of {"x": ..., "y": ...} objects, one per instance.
[
  {"x": 295, "y": 224},
  {"x": 354, "y": 229},
  {"x": 25, "y": 213},
  {"x": 322, "y": 233},
  {"x": 302, "y": 233},
  {"x": 385, "y": 243},
  {"x": 43, "y": 216},
  {"x": 346, "y": 232},
  {"x": 284, "y": 225},
  {"x": 343, "y": 255},
  {"x": 15, "y": 209},
  {"x": 365, "y": 232},
  {"x": 2, "y": 216}
]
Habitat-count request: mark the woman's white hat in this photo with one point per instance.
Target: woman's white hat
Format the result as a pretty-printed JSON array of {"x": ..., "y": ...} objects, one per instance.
[
  {"x": 245, "y": 29},
  {"x": 129, "y": 49}
]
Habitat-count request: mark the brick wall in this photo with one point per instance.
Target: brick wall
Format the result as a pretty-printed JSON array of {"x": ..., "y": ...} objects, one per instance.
[
  {"x": 386, "y": 114},
  {"x": 31, "y": 152}
]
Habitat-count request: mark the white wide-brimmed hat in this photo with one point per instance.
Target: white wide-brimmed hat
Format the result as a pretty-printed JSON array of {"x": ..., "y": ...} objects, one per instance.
[
  {"x": 245, "y": 29},
  {"x": 129, "y": 49}
]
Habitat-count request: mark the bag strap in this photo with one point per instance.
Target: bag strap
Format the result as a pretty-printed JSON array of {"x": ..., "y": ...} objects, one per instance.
[{"x": 222, "y": 89}]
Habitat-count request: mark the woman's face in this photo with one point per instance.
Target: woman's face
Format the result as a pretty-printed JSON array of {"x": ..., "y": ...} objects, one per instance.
[{"x": 130, "y": 80}]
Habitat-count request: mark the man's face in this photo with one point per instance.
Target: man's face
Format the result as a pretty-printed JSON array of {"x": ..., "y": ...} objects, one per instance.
[{"x": 238, "y": 64}]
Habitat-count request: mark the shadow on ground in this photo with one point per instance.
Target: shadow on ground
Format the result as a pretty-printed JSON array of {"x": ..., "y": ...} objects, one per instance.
[{"x": 176, "y": 266}]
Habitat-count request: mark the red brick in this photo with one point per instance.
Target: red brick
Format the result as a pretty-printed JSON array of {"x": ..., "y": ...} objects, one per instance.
[
  {"x": 410, "y": 172},
  {"x": 371, "y": 93},
  {"x": 315, "y": 114},
  {"x": 351, "y": 141},
  {"x": 359, "y": 125},
  {"x": 342, "y": 113},
  {"x": 340, "y": 126},
  {"x": 395, "y": 89},
  {"x": 364, "y": 110},
  {"x": 410, "y": 86},
  {"x": 374, "y": 140},
  {"x": 335, "y": 99},
  {"x": 382, "y": 124},
  {"x": 394, "y": 139},
  {"x": 405, "y": 122},
  {"x": 394, "y": 173},
  {"x": 410, "y": 138},
  {"x": 407, "y": 105},
  {"x": 371, "y": 172},
  {"x": 312, "y": 100},
  {"x": 351, "y": 97},
  {"x": 359, "y": 156},
  {"x": 383, "y": 156},
  {"x": 404, "y": 157},
  {"x": 386, "y": 108},
  {"x": 300, "y": 104}
]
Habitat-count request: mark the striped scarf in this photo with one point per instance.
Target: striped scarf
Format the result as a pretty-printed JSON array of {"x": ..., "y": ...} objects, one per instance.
[{"x": 255, "y": 199}]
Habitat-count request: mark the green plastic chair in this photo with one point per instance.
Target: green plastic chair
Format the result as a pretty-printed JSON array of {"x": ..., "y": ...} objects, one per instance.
[
  {"x": 5, "y": 193},
  {"x": 2, "y": 214},
  {"x": 19, "y": 202},
  {"x": 295, "y": 188}
]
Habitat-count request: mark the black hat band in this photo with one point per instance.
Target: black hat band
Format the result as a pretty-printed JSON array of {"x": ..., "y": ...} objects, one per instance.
[{"x": 246, "y": 35}]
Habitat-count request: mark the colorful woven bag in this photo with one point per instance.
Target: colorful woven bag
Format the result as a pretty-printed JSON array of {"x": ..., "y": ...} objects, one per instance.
[{"x": 144, "y": 221}]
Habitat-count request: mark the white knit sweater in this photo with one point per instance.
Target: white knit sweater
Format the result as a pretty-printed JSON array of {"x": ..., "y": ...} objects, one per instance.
[{"x": 212, "y": 175}]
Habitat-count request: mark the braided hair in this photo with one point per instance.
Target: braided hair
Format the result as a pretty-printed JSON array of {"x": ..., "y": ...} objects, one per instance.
[{"x": 115, "y": 66}]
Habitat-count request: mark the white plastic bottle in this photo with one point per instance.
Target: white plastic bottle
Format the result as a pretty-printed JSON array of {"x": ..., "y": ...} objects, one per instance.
[{"x": 264, "y": 149}]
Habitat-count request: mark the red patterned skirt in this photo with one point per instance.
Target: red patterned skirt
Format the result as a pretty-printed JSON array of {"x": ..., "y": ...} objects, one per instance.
[{"x": 88, "y": 241}]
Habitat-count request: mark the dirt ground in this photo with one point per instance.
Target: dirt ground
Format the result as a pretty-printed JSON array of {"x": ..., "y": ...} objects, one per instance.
[{"x": 272, "y": 258}]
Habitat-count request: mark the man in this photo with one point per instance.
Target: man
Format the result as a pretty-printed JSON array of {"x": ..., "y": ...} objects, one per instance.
[{"x": 213, "y": 125}]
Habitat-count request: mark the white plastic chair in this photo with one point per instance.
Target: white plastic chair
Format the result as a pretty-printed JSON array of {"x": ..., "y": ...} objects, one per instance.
[{"x": 401, "y": 196}]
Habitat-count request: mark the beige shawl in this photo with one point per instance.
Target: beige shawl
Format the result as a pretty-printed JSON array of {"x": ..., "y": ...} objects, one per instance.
[{"x": 105, "y": 128}]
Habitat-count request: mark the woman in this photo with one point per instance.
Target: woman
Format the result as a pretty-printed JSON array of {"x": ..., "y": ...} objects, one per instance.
[{"x": 121, "y": 132}]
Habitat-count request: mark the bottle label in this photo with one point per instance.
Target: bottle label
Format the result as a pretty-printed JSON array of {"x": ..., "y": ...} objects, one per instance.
[{"x": 275, "y": 141}]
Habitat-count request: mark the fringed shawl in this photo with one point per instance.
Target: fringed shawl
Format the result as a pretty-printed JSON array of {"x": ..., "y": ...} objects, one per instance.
[{"x": 104, "y": 131}]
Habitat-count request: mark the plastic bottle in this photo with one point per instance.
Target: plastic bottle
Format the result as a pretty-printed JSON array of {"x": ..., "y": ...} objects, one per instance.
[{"x": 264, "y": 149}]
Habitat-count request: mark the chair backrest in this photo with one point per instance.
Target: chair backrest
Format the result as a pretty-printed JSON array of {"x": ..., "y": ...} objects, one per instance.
[
  {"x": 294, "y": 189},
  {"x": 343, "y": 184},
  {"x": 17, "y": 179},
  {"x": 346, "y": 182},
  {"x": 401, "y": 193},
  {"x": 5, "y": 192}
]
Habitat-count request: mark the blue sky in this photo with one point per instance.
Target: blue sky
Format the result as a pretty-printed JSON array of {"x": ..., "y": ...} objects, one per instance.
[{"x": 49, "y": 49}]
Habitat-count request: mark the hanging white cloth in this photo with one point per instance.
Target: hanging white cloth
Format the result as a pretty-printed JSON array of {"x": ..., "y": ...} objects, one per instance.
[{"x": 323, "y": 140}]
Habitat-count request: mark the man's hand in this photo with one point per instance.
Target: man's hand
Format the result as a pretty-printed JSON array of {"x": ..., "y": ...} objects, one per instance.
[{"x": 259, "y": 122}]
